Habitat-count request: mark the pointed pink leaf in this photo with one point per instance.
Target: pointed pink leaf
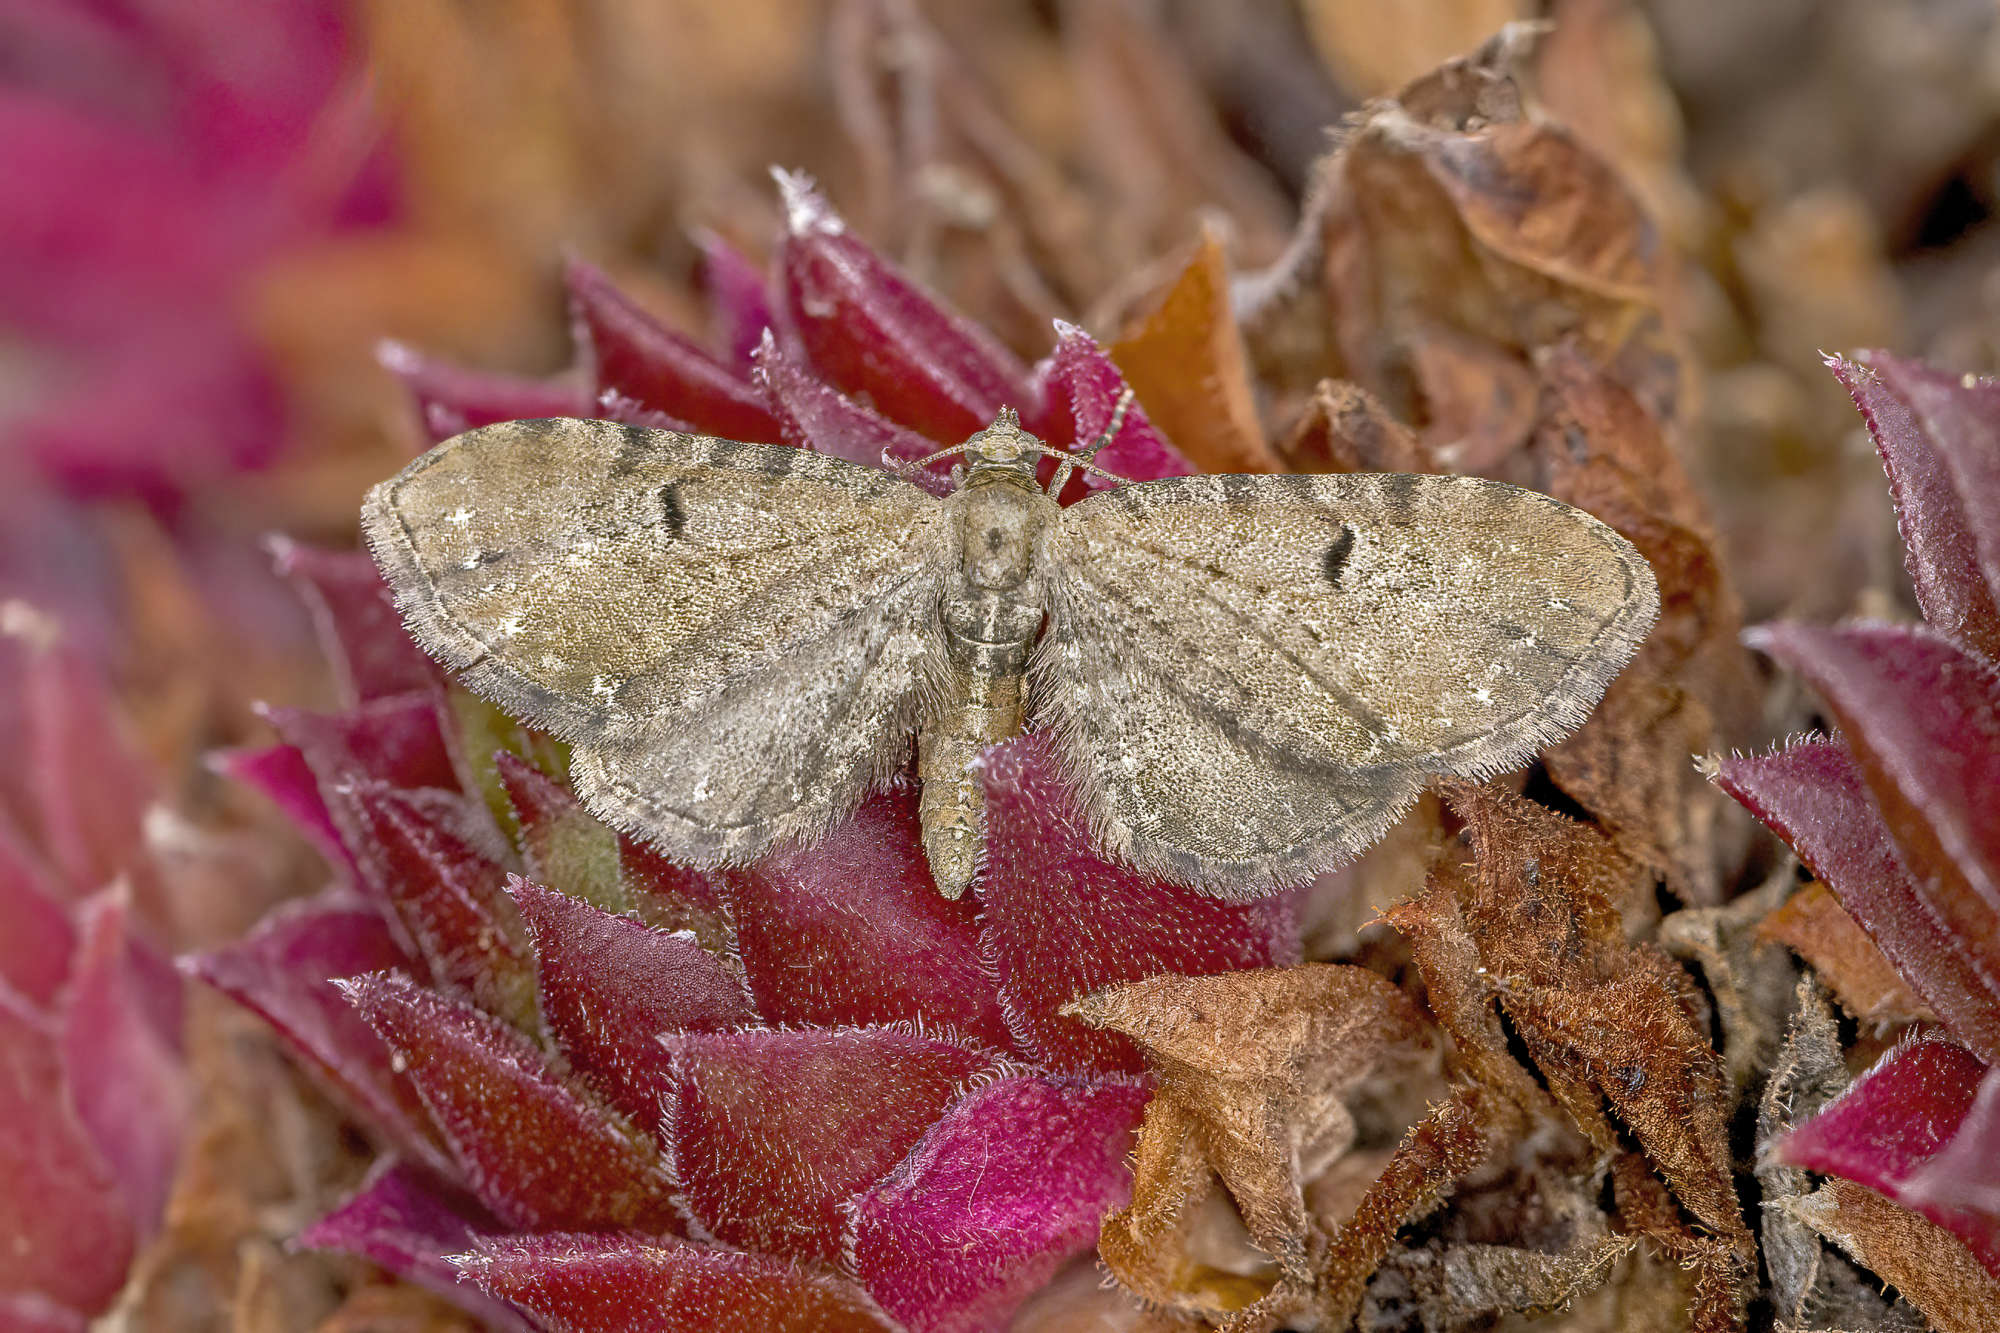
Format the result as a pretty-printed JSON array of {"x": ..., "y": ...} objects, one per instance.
[
  {"x": 851, "y": 931},
  {"x": 400, "y": 1220},
  {"x": 284, "y": 971},
  {"x": 359, "y": 629},
  {"x": 629, "y": 1284},
  {"x": 1965, "y": 1176},
  {"x": 90, "y": 787},
  {"x": 1922, "y": 717},
  {"x": 396, "y": 741},
  {"x": 611, "y": 986},
  {"x": 1811, "y": 794},
  {"x": 821, "y": 417},
  {"x": 449, "y": 897},
  {"x": 739, "y": 299},
  {"x": 536, "y": 1152},
  {"x": 64, "y": 1229},
  {"x": 454, "y": 399},
  {"x": 772, "y": 1131},
  {"x": 1061, "y": 921},
  {"x": 1007, "y": 1187},
  {"x": 1894, "y": 1121},
  {"x": 1939, "y": 436},
  {"x": 646, "y": 361},
  {"x": 1083, "y": 386},
  {"x": 280, "y": 773},
  {"x": 126, "y": 1079},
  {"x": 873, "y": 331},
  {"x": 37, "y": 939}
]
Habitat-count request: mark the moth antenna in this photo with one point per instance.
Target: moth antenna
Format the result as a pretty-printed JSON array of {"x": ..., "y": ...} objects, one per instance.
[{"x": 1081, "y": 457}]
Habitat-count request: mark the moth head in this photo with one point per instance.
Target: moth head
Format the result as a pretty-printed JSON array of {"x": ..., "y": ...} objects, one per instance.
[{"x": 1004, "y": 447}]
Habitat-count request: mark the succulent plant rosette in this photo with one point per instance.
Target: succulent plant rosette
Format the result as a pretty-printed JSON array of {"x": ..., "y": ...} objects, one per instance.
[
  {"x": 808, "y": 1093},
  {"x": 1897, "y": 815}
]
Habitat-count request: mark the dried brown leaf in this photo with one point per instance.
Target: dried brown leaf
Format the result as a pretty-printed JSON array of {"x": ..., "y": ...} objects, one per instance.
[
  {"x": 1251, "y": 1069},
  {"x": 1346, "y": 429},
  {"x": 1814, "y": 925},
  {"x": 1185, "y": 360},
  {"x": 1931, "y": 1267},
  {"x": 1749, "y": 978},
  {"x": 1374, "y": 48}
]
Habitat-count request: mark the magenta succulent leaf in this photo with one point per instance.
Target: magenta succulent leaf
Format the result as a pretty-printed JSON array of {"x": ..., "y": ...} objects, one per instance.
[
  {"x": 874, "y": 332},
  {"x": 654, "y": 1284},
  {"x": 536, "y": 1153},
  {"x": 280, "y": 773},
  {"x": 1895, "y": 1122},
  {"x": 120, "y": 1045},
  {"x": 821, "y": 417},
  {"x": 1061, "y": 921},
  {"x": 284, "y": 971},
  {"x": 1965, "y": 1175},
  {"x": 66, "y": 1234},
  {"x": 89, "y": 791},
  {"x": 610, "y": 986},
  {"x": 852, "y": 932},
  {"x": 39, "y": 938},
  {"x": 1010, "y": 1184},
  {"x": 774, "y": 1130},
  {"x": 739, "y": 300},
  {"x": 359, "y": 629},
  {"x": 1811, "y": 794},
  {"x": 401, "y": 1220},
  {"x": 395, "y": 741},
  {"x": 1083, "y": 385},
  {"x": 1939, "y": 436},
  {"x": 449, "y": 897},
  {"x": 452, "y": 399},
  {"x": 1922, "y": 716},
  {"x": 643, "y": 360}
]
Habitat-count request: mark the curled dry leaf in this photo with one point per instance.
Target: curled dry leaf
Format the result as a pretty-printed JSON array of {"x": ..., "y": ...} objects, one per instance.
[
  {"x": 1931, "y": 1267},
  {"x": 1814, "y": 925},
  {"x": 1251, "y": 1067},
  {"x": 1613, "y": 1029}
]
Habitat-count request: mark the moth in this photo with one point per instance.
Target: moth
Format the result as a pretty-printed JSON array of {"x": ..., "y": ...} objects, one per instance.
[{"x": 1247, "y": 677}]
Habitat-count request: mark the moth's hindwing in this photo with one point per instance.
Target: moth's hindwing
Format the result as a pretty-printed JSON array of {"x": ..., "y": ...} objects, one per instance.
[
  {"x": 734, "y": 636},
  {"x": 1252, "y": 676}
]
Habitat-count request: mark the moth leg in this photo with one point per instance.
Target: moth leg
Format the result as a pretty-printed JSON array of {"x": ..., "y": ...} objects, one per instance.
[{"x": 1083, "y": 456}]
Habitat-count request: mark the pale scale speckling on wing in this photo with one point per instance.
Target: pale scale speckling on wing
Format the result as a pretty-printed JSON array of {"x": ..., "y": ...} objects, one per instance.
[{"x": 1249, "y": 677}]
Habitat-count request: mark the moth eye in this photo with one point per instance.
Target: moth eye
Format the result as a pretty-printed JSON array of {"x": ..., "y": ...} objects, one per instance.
[{"x": 1335, "y": 559}]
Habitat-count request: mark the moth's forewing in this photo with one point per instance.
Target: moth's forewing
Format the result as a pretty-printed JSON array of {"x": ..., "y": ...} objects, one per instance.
[
  {"x": 733, "y": 635},
  {"x": 1255, "y": 675}
]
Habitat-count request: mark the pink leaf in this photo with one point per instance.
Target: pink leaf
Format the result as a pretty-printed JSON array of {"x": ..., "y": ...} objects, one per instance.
[
  {"x": 998, "y": 1195},
  {"x": 448, "y": 895},
  {"x": 873, "y": 331},
  {"x": 1922, "y": 717},
  {"x": 1895, "y": 1122},
  {"x": 454, "y": 399},
  {"x": 629, "y": 1284},
  {"x": 1811, "y": 795},
  {"x": 534, "y": 1151},
  {"x": 130, "y": 1091},
  {"x": 646, "y": 361},
  {"x": 400, "y": 1220},
  {"x": 1939, "y": 436},
  {"x": 284, "y": 971},
  {"x": 90, "y": 787},
  {"x": 820, "y": 417},
  {"x": 1083, "y": 386},
  {"x": 396, "y": 741},
  {"x": 64, "y": 1229},
  {"x": 359, "y": 629},
  {"x": 739, "y": 299},
  {"x": 610, "y": 986},
  {"x": 37, "y": 938},
  {"x": 280, "y": 773},
  {"x": 851, "y": 930},
  {"x": 1061, "y": 921},
  {"x": 772, "y": 1131}
]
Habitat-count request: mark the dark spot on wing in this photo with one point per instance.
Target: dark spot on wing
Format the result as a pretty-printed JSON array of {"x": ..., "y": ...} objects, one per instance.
[
  {"x": 1399, "y": 493},
  {"x": 481, "y": 559},
  {"x": 780, "y": 461},
  {"x": 725, "y": 451},
  {"x": 634, "y": 447},
  {"x": 671, "y": 512},
  {"x": 1236, "y": 488},
  {"x": 1335, "y": 559}
]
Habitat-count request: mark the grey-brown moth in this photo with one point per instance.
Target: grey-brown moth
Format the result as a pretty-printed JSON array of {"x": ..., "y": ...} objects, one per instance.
[{"x": 1248, "y": 677}]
